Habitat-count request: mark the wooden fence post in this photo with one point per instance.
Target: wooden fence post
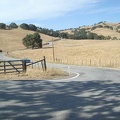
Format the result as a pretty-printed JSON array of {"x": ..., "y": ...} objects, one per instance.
[
  {"x": 45, "y": 66},
  {"x": 4, "y": 68},
  {"x": 24, "y": 65}
]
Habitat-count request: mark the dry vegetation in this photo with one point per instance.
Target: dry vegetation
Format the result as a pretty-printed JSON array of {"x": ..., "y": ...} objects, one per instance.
[
  {"x": 83, "y": 52},
  {"x": 108, "y": 32},
  {"x": 100, "y": 31},
  {"x": 79, "y": 52},
  {"x": 35, "y": 74},
  {"x": 11, "y": 40}
]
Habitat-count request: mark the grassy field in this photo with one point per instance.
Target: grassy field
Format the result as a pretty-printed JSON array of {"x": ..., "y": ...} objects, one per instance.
[
  {"x": 79, "y": 52},
  {"x": 108, "y": 32},
  {"x": 83, "y": 52},
  {"x": 11, "y": 40}
]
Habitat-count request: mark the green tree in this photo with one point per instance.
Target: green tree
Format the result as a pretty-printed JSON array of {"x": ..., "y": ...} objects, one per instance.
[
  {"x": 32, "y": 41},
  {"x": 32, "y": 27},
  {"x": 80, "y": 34},
  {"x": 24, "y": 26},
  {"x": 37, "y": 40},
  {"x": 2, "y": 26},
  {"x": 13, "y": 25},
  {"x": 63, "y": 35},
  {"x": 90, "y": 35}
]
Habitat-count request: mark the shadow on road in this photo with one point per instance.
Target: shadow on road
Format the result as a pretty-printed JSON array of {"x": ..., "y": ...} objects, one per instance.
[{"x": 45, "y": 100}]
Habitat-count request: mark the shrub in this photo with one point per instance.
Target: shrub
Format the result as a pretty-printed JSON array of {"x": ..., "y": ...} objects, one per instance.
[
  {"x": 32, "y": 27},
  {"x": 2, "y": 26},
  {"x": 13, "y": 25},
  {"x": 24, "y": 26},
  {"x": 32, "y": 41}
]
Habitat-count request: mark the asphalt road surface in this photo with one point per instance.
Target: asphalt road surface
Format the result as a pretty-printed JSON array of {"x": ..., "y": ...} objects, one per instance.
[
  {"x": 90, "y": 94},
  {"x": 3, "y": 57}
]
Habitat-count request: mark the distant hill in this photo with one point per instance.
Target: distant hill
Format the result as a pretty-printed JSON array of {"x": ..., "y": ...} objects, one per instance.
[
  {"x": 11, "y": 40},
  {"x": 102, "y": 28}
]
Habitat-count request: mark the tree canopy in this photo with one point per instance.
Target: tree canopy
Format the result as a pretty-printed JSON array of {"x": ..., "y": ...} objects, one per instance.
[
  {"x": 77, "y": 33},
  {"x": 2, "y": 26},
  {"x": 32, "y": 27},
  {"x": 13, "y": 25},
  {"x": 32, "y": 41},
  {"x": 24, "y": 26}
]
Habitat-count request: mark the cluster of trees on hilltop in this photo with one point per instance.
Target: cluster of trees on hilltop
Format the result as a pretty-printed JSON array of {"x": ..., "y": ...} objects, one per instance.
[
  {"x": 10, "y": 26},
  {"x": 29, "y": 41},
  {"x": 81, "y": 33},
  {"x": 28, "y": 27},
  {"x": 101, "y": 26},
  {"x": 45, "y": 31}
]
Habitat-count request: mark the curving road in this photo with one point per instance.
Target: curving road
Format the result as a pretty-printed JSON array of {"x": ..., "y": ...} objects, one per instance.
[
  {"x": 88, "y": 94},
  {"x": 89, "y": 73},
  {"x": 3, "y": 57}
]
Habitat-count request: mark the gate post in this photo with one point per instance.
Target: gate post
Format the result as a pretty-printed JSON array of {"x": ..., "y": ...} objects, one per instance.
[
  {"x": 4, "y": 68},
  {"x": 45, "y": 64},
  {"x": 24, "y": 65}
]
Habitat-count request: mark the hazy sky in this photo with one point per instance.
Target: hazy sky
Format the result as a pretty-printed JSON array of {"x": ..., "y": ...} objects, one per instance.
[{"x": 59, "y": 14}]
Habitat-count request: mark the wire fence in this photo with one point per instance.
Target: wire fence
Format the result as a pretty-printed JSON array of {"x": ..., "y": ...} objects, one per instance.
[{"x": 88, "y": 62}]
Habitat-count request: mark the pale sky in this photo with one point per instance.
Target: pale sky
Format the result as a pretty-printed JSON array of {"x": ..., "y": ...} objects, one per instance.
[{"x": 59, "y": 14}]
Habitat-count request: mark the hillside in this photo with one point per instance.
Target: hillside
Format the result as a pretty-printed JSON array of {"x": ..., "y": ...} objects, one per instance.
[
  {"x": 79, "y": 52},
  {"x": 11, "y": 40},
  {"x": 101, "y": 28}
]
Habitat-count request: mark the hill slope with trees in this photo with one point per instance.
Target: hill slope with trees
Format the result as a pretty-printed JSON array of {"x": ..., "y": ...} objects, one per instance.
[
  {"x": 11, "y": 40},
  {"x": 11, "y": 35},
  {"x": 99, "y": 31}
]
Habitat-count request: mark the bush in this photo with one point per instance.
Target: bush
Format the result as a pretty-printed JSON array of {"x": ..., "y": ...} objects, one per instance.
[
  {"x": 32, "y": 41},
  {"x": 24, "y": 26},
  {"x": 13, "y": 25},
  {"x": 2, "y": 26},
  {"x": 32, "y": 27}
]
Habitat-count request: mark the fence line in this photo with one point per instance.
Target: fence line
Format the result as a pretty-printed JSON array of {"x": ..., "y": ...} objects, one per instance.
[
  {"x": 12, "y": 66},
  {"x": 19, "y": 66},
  {"x": 89, "y": 62},
  {"x": 36, "y": 64}
]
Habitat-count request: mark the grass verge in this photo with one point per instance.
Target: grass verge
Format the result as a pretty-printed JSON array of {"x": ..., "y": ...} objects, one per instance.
[{"x": 35, "y": 74}]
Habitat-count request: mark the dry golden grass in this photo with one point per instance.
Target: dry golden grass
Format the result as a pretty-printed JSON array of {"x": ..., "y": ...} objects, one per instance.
[
  {"x": 91, "y": 52},
  {"x": 108, "y": 32},
  {"x": 67, "y": 31},
  {"x": 101, "y": 31},
  {"x": 11, "y": 40},
  {"x": 35, "y": 74},
  {"x": 79, "y": 52}
]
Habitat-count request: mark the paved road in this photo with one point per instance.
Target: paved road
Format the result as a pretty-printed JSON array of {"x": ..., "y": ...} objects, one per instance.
[
  {"x": 89, "y": 73},
  {"x": 3, "y": 57},
  {"x": 91, "y": 94}
]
